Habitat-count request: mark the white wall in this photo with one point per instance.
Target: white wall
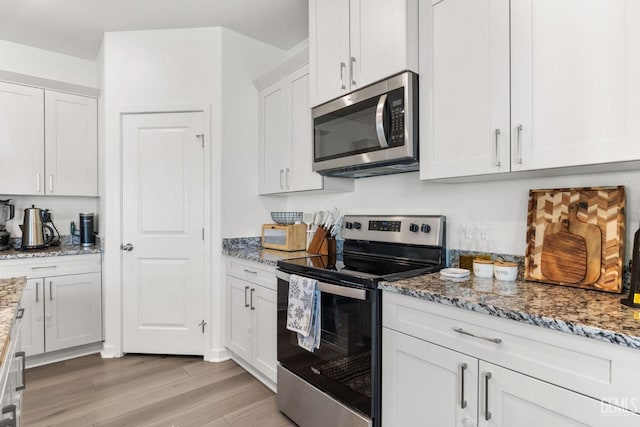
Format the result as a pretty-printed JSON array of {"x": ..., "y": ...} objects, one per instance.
[
  {"x": 167, "y": 69},
  {"x": 36, "y": 62},
  {"x": 501, "y": 206}
]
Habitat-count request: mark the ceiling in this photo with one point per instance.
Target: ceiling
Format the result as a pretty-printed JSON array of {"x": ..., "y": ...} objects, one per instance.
[{"x": 75, "y": 27}]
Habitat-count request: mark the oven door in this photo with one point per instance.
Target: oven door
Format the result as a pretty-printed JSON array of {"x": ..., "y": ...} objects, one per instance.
[{"x": 347, "y": 364}]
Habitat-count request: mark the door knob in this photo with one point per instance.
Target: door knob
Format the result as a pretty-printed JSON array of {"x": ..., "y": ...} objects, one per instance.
[{"x": 126, "y": 247}]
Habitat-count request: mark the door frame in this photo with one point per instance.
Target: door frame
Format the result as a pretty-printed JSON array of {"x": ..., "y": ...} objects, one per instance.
[{"x": 111, "y": 209}]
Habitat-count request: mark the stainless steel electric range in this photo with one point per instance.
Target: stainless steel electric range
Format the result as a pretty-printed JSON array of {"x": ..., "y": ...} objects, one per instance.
[{"x": 339, "y": 384}]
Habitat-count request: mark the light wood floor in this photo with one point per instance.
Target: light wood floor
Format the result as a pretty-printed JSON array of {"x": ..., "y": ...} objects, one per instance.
[{"x": 141, "y": 390}]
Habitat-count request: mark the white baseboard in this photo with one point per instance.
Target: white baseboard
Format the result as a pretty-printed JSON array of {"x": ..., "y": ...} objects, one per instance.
[
  {"x": 109, "y": 352},
  {"x": 60, "y": 355},
  {"x": 217, "y": 355}
]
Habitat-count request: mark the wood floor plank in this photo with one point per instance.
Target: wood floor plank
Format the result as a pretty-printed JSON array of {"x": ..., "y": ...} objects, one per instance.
[{"x": 142, "y": 390}]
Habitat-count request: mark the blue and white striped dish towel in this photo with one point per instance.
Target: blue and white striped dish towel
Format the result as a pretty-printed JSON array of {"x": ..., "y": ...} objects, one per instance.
[{"x": 303, "y": 311}]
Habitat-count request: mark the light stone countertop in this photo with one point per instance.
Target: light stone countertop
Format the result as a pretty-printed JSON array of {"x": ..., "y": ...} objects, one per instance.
[
  {"x": 52, "y": 251},
  {"x": 10, "y": 293},
  {"x": 263, "y": 256},
  {"x": 588, "y": 313}
]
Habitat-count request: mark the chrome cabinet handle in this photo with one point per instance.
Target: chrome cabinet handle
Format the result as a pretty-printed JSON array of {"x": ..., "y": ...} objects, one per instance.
[
  {"x": 37, "y": 183},
  {"x": 352, "y": 66},
  {"x": 342, "y": 68},
  {"x": 519, "y": 143},
  {"x": 463, "y": 332},
  {"x": 487, "y": 413},
  {"x": 463, "y": 403},
  {"x": 250, "y": 271},
  {"x": 50, "y": 290},
  {"x": 286, "y": 178},
  {"x": 50, "y": 183},
  {"x": 497, "y": 147},
  {"x": 128, "y": 247},
  {"x": 281, "y": 181},
  {"x": 43, "y": 267},
  {"x": 252, "y": 291},
  {"x": 23, "y": 382},
  {"x": 37, "y": 287},
  {"x": 11, "y": 421},
  {"x": 246, "y": 305}
]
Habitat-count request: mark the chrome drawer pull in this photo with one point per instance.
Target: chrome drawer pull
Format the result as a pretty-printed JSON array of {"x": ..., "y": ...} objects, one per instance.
[
  {"x": 250, "y": 271},
  {"x": 44, "y": 267},
  {"x": 463, "y": 332}
]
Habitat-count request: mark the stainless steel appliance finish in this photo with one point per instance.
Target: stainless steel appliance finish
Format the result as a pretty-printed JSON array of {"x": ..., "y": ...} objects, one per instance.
[
  {"x": 310, "y": 407},
  {"x": 33, "y": 236},
  {"x": 7, "y": 212},
  {"x": 372, "y": 131},
  {"x": 87, "y": 230},
  {"x": 344, "y": 372}
]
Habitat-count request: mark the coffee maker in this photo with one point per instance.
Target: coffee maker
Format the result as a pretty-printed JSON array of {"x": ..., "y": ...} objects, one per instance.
[{"x": 7, "y": 212}]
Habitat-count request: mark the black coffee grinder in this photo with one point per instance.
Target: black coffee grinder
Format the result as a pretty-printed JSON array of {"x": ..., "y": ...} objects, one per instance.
[{"x": 634, "y": 294}]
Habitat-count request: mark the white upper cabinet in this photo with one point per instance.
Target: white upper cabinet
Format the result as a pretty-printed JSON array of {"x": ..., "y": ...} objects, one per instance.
[
  {"x": 354, "y": 43},
  {"x": 21, "y": 139},
  {"x": 48, "y": 142},
  {"x": 526, "y": 85},
  {"x": 71, "y": 144}
]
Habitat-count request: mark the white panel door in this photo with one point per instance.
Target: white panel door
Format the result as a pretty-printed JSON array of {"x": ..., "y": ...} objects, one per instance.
[
  {"x": 575, "y": 82},
  {"x": 163, "y": 220},
  {"x": 328, "y": 49},
  {"x": 73, "y": 310},
  {"x": 302, "y": 176},
  {"x": 510, "y": 399},
  {"x": 239, "y": 318},
  {"x": 71, "y": 140},
  {"x": 275, "y": 103},
  {"x": 471, "y": 123},
  {"x": 383, "y": 39},
  {"x": 32, "y": 329},
  {"x": 21, "y": 139},
  {"x": 425, "y": 384},
  {"x": 264, "y": 331}
]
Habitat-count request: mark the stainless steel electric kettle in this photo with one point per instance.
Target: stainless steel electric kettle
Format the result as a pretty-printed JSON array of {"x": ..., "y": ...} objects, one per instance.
[{"x": 33, "y": 236}]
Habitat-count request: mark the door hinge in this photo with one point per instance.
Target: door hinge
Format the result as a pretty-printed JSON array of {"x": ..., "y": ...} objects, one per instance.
[
  {"x": 202, "y": 324},
  {"x": 201, "y": 136}
]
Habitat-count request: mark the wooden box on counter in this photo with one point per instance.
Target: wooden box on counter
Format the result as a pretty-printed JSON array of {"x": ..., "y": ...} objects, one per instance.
[{"x": 283, "y": 237}]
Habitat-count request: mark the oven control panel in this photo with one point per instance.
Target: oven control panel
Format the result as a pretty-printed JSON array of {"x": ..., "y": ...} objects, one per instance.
[{"x": 418, "y": 229}]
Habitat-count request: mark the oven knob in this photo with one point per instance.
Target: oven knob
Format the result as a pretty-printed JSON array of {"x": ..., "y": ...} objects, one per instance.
[
  {"x": 425, "y": 228},
  {"x": 357, "y": 225},
  {"x": 348, "y": 225},
  {"x": 413, "y": 228}
]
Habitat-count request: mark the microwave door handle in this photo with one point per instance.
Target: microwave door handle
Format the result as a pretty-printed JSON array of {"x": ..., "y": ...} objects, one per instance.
[{"x": 382, "y": 137}]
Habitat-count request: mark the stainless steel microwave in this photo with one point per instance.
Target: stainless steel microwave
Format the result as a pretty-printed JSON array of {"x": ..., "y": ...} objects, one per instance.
[{"x": 372, "y": 131}]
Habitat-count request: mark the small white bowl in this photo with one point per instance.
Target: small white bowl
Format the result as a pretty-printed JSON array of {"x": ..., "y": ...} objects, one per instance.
[
  {"x": 483, "y": 268},
  {"x": 505, "y": 271}
]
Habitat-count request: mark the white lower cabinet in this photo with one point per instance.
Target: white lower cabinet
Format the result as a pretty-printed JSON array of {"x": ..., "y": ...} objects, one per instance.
[
  {"x": 251, "y": 316},
  {"x": 12, "y": 378},
  {"x": 62, "y": 301},
  {"x": 435, "y": 376}
]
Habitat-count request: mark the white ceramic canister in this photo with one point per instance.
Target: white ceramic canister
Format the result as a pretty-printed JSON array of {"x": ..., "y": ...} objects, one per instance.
[
  {"x": 506, "y": 271},
  {"x": 483, "y": 268}
]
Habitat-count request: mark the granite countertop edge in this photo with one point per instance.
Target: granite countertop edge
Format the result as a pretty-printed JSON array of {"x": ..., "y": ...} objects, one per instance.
[
  {"x": 10, "y": 294},
  {"x": 263, "y": 256},
  {"x": 53, "y": 251},
  {"x": 608, "y": 335}
]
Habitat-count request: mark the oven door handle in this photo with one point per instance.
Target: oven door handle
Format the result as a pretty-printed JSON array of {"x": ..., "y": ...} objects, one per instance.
[{"x": 327, "y": 288}]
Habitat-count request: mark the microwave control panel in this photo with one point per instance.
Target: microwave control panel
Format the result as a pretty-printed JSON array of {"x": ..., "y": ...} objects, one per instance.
[{"x": 396, "y": 104}]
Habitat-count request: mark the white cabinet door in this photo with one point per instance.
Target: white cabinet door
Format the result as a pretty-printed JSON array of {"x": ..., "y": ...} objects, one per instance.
[
  {"x": 469, "y": 104},
  {"x": 239, "y": 317},
  {"x": 384, "y": 39},
  {"x": 264, "y": 332},
  {"x": 71, "y": 142},
  {"x": 509, "y": 399},
  {"x": 425, "y": 382},
  {"x": 328, "y": 49},
  {"x": 32, "y": 333},
  {"x": 21, "y": 139},
  {"x": 302, "y": 176},
  {"x": 73, "y": 310},
  {"x": 575, "y": 82},
  {"x": 274, "y": 112}
]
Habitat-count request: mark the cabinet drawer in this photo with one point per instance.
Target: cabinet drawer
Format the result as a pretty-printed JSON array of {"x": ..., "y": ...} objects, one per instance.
[
  {"x": 51, "y": 266},
  {"x": 598, "y": 369},
  {"x": 253, "y": 272}
]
